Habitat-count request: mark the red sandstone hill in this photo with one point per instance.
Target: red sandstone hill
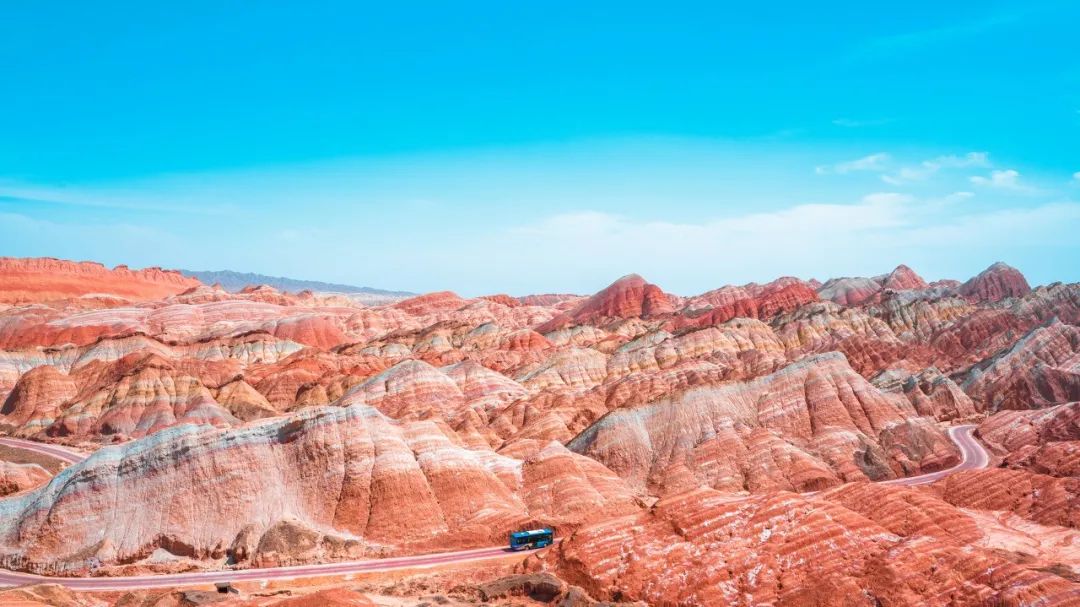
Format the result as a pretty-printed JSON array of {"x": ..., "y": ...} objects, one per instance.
[
  {"x": 857, "y": 291},
  {"x": 327, "y": 483},
  {"x": 629, "y": 297},
  {"x": 859, "y": 545},
  {"x": 995, "y": 283},
  {"x": 45, "y": 278}
]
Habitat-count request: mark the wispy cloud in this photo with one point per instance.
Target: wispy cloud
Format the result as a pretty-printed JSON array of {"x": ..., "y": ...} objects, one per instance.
[
  {"x": 959, "y": 196},
  {"x": 873, "y": 162},
  {"x": 1076, "y": 176},
  {"x": 928, "y": 168},
  {"x": 1006, "y": 179},
  {"x": 809, "y": 239}
]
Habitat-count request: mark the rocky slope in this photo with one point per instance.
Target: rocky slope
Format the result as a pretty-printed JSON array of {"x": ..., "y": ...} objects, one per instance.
[
  {"x": 15, "y": 478},
  {"x": 328, "y": 483},
  {"x": 857, "y": 545},
  {"x": 811, "y": 425},
  {"x": 1041, "y": 369}
]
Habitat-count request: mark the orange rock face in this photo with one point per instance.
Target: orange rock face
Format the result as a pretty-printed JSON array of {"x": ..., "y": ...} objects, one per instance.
[
  {"x": 43, "y": 279},
  {"x": 860, "y": 545}
]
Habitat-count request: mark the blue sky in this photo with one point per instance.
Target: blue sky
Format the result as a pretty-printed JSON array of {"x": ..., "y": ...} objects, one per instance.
[{"x": 550, "y": 147}]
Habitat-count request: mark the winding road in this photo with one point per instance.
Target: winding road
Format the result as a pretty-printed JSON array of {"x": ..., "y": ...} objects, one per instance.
[
  {"x": 69, "y": 456},
  {"x": 973, "y": 455}
]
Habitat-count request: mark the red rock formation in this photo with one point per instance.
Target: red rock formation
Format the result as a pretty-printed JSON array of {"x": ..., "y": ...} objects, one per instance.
[
  {"x": 21, "y": 477},
  {"x": 443, "y": 301},
  {"x": 931, "y": 393},
  {"x": 1009, "y": 430},
  {"x": 750, "y": 301},
  {"x": 629, "y": 297},
  {"x": 1044, "y": 441},
  {"x": 503, "y": 299},
  {"x": 140, "y": 395},
  {"x": 44, "y": 279},
  {"x": 903, "y": 278},
  {"x": 347, "y": 430},
  {"x": 819, "y": 413},
  {"x": 38, "y": 398},
  {"x": 1041, "y": 369},
  {"x": 1061, "y": 458},
  {"x": 344, "y": 482},
  {"x": 859, "y": 291},
  {"x": 850, "y": 291},
  {"x": 881, "y": 545},
  {"x": 1040, "y": 498},
  {"x": 995, "y": 283}
]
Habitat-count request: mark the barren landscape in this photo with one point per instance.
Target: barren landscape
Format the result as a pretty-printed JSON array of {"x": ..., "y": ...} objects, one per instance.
[
  {"x": 875, "y": 440},
  {"x": 540, "y": 304}
]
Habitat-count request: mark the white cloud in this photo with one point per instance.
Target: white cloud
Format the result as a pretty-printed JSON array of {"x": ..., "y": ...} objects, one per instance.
[
  {"x": 928, "y": 168},
  {"x": 881, "y": 198},
  {"x": 1008, "y": 179},
  {"x": 804, "y": 240},
  {"x": 873, "y": 162},
  {"x": 958, "y": 196},
  {"x": 1076, "y": 176}
]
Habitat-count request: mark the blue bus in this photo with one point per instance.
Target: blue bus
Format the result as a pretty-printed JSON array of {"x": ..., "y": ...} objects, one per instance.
[{"x": 528, "y": 540}]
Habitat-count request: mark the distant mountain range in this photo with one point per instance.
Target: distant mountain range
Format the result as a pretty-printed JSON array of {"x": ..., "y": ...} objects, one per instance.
[{"x": 236, "y": 281}]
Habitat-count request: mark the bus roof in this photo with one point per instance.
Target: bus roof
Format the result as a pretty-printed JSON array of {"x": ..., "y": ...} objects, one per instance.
[{"x": 531, "y": 533}]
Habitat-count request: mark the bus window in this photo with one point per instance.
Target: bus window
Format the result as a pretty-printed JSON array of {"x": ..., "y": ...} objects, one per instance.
[{"x": 528, "y": 540}]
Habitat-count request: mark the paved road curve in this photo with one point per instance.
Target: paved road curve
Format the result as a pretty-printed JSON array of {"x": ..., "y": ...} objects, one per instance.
[
  {"x": 973, "y": 455},
  {"x": 69, "y": 456}
]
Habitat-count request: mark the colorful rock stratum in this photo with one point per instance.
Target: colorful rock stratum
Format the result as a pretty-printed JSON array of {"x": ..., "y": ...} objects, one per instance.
[{"x": 726, "y": 448}]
